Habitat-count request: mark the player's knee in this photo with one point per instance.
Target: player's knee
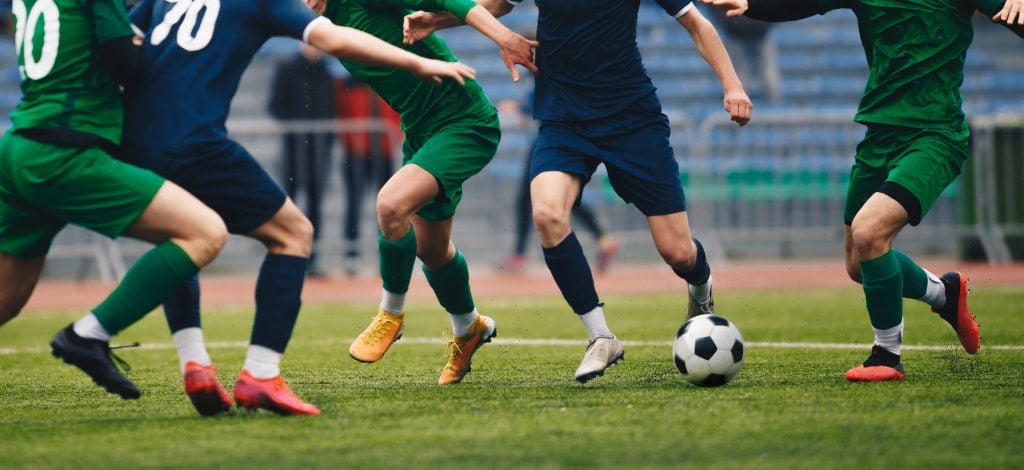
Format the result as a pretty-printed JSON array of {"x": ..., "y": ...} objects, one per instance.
[
  {"x": 549, "y": 218},
  {"x": 680, "y": 256},
  {"x": 853, "y": 269},
  {"x": 297, "y": 238},
  {"x": 391, "y": 216},
  {"x": 207, "y": 237},
  {"x": 869, "y": 240}
]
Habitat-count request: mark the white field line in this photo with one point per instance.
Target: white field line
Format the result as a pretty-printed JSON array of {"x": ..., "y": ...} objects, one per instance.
[{"x": 557, "y": 342}]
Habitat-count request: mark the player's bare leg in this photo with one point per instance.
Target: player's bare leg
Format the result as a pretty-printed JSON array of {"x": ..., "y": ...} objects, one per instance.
[
  {"x": 685, "y": 255},
  {"x": 409, "y": 189},
  {"x": 552, "y": 194},
  {"x": 288, "y": 236},
  {"x": 188, "y": 236},
  {"x": 18, "y": 278}
]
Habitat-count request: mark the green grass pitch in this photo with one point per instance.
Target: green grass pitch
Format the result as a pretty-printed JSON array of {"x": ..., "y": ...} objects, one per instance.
[{"x": 788, "y": 408}]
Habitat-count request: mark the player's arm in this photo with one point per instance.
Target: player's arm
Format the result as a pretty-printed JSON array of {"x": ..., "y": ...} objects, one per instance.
[
  {"x": 1009, "y": 13},
  {"x": 515, "y": 49},
  {"x": 357, "y": 46},
  {"x": 115, "y": 52},
  {"x": 710, "y": 46},
  {"x": 422, "y": 23},
  {"x": 777, "y": 10}
]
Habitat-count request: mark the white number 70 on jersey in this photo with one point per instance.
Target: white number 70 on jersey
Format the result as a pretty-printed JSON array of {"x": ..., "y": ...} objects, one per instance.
[{"x": 189, "y": 10}]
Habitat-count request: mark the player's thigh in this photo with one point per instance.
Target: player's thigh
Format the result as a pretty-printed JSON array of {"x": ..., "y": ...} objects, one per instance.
[
  {"x": 288, "y": 232},
  {"x": 553, "y": 195},
  {"x": 175, "y": 214},
  {"x": 452, "y": 156},
  {"x": 18, "y": 278},
  {"x": 409, "y": 189}
]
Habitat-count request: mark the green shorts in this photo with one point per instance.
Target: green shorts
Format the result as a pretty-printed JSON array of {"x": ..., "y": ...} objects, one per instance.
[
  {"x": 43, "y": 187},
  {"x": 913, "y": 166},
  {"x": 452, "y": 155}
]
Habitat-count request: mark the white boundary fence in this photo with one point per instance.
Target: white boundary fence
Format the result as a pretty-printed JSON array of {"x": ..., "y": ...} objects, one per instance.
[{"x": 775, "y": 188}]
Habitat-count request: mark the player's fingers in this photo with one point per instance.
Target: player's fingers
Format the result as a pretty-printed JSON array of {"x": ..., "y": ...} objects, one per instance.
[{"x": 532, "y": 67}]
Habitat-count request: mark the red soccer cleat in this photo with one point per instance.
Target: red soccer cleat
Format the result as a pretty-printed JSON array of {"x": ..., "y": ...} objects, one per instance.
[
  {"x": 881, "y": 366},
  {"x": 205, "y": 391},
  {"x": 956, "y": 313},
  {"x": 270, "y": 394}
]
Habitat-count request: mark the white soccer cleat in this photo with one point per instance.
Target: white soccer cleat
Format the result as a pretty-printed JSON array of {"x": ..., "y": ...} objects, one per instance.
[{"x": 601, "y": 353}]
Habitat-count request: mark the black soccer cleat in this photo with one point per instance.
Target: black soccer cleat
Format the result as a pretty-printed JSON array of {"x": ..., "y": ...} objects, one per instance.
[{"x": 96, "y": 360}]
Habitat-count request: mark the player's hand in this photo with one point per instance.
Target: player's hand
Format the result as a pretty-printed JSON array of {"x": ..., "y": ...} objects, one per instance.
[
  {"x": 435, "y": 71},
  {"x": 732, "y": 7},
  {"x": 739, "y": 106},
  {"x": 517, "y": 50},
  {"x": 317, "y": 5},
  {"x": 1012, "y": 13},
  {"x": 418, "y": 25}
]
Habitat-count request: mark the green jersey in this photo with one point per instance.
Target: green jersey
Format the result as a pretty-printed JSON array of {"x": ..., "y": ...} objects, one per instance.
[
  {"x": 425, "y": 108},
  {"x": 916, "y": 51},
  {"x": 61, "y": 84}
]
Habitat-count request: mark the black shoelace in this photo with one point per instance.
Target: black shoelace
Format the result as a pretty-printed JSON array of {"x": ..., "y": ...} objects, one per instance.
[{"x": 123, "y": 364}]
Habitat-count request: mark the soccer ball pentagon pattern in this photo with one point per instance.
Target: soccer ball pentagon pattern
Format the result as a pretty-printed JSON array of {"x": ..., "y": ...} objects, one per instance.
[{"x": 708, "y": 350}]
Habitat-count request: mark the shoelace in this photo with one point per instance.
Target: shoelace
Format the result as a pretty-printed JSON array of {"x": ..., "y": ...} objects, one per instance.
[
  {"x": 117, "y": 360},
  {"x": 380, "y": 328},
  {"x": 705, "y": 308},
  {"x": 453, "y": 349}
]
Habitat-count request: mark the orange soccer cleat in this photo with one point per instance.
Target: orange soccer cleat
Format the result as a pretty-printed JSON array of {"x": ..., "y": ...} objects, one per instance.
[
  {"x": 270, "y": 394},
  {"x": 956, "y": 313},
  {"x": 461, "y": 349},
  {"x": 205, "y": 391},
  {"x": 374, "y": 341}
]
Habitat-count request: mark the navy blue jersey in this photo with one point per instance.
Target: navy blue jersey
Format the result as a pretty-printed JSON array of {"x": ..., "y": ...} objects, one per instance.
[
  {"x": 194, "y": 54},
  {"x": 590, "y": 65}
]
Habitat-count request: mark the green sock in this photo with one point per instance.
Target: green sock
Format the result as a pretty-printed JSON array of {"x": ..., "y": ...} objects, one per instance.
[
  {"x": 883, "y": 290},
  {"x": 149, "y": 282},
  {"x": 397, "y": 258},
  {"x": 915, "y": 279},
  {"x": 451, "y": 285}
]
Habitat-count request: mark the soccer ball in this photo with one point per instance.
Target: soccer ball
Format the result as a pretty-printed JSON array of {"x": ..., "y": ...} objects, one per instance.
[{"x": 708, "y": 350}]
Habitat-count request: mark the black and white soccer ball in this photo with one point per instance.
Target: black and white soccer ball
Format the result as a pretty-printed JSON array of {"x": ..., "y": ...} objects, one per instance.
[{"x": 708, "y": 350}]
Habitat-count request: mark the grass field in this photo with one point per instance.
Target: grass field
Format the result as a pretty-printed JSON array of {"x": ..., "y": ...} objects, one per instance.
[{"x": 789, "y": 407}]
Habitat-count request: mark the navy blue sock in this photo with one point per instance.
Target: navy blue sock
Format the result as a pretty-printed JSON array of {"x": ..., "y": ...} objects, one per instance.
[
  {"x": 278, "y": 298},
  {"x": 569, "y": 267},
  {"x": 182, "y": 308},
  {"x": 701, "y": 271}
]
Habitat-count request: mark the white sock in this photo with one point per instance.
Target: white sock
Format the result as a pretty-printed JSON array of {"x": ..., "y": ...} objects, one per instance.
[
  {"x": 263, "y": 363},
  {"x": 191, "y": 348},
  {"x": 702, "y": 292},
  {"x": 89, "y": 327},
  {"x": 891, "y": 338},
  {"x": 594, "y": 322},
  {"x": 462, "y": 322},
  {"x": 935, "y": 293},
  {"x": 392, "y": 303}
]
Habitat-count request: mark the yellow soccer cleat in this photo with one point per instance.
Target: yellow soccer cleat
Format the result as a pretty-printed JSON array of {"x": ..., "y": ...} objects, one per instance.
[
  {"x": 374, "y": 341},
  {"x": 461, "y": 349}
]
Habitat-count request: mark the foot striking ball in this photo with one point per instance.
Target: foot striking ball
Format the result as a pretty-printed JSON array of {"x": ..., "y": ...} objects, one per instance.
[{"x": 708, "y": 350}]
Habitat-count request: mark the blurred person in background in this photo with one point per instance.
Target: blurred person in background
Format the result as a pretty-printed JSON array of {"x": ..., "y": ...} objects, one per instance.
[
  {"x": 368, "y": 157},
  {"x": 302, "y": 90}
]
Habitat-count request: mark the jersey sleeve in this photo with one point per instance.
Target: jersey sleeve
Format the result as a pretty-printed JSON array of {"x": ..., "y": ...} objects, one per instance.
[
  {"x": 290, "y": 18},
  {"x": 676, "y": 8},
  {"x": 459, "y": 8},
  {"x": 110, "y": 20},
  {"x": 141, "y": 16}
]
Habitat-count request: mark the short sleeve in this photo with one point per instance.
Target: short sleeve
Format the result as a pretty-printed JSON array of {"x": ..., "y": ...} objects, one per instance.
[
  {"x": 141, "y": 16},
  {"x": 829, "y": 5},
  {"x": 290, "y": 18},
  {"x": 988, "y": 7},
  {"x": 110, "y": 20},
  {"x": 676, "y": 8}
]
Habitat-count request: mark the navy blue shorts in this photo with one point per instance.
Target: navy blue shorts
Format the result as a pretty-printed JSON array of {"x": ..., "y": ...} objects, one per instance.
[
  {"x": 634, "y": 147},
  {"x": 223, "y": 175}
]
